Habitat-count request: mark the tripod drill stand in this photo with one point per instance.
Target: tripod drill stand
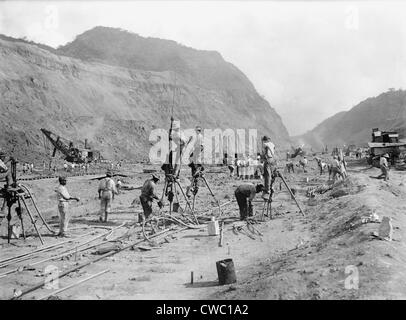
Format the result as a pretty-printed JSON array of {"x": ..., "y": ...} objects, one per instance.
[
  {"x": 268, "y": 202},
  {"x": 195, "y": 188},
  {"x": 170, "y": 191},
  {"x": 13, "y": 193}
]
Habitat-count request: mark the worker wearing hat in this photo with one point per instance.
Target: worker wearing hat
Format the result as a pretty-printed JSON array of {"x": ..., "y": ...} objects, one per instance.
[
  {"x": 107, "y": 189},
  {"x": 383, "y": 164},
  {"x": 63, "y": 197},
  {"x": 268, "y": 157},
  {"x": 245, "y": 194},
  {"x": 148, "y": 194}
]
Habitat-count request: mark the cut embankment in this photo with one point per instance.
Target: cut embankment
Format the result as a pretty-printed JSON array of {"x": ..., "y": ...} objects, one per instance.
[{"x": 343, "y": 259}]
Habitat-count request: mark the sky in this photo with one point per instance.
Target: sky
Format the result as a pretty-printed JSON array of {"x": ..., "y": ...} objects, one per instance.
[{"x": 309, "y": 60}]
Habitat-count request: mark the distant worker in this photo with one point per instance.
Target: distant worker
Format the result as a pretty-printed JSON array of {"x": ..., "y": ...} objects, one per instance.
[
  {"x": 343, "y": 165},
  {"x": 268, "y": 157},
  {"x": 147, "y": 196},
  {"x": 322, "y": 165},
  {"x": 5, "y": 171},
  {"x": 303, "y": 163},
  {"x": 31, "y": 167},
  {"x": 290, "y": 167},
  {"x": 231, "y": 166},
  {"x": 63, "y": 207},
  {"x": 336, "y": 169},
  {"x": 119, "y": 185},
  {"x": 195, "y": 158},
  {"x": 244, "y": 194},
  {"x": 65, "y": 166},
  {"x": 383, "y": 163},
  {"x": 196, "y": 154},
  {"x": 107, "y": 189}
]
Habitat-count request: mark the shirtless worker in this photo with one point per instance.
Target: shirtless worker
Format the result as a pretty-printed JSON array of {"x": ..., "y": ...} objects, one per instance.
[
  {"x": 244, "y": 194},
  {"x": 63, "y": 207},
  {"x": 107, "y": 189},
  {"x": 147, "y": 196}
]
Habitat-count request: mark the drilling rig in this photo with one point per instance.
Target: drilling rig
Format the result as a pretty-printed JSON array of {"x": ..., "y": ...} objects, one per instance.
[{"x": 69, "y": 151}]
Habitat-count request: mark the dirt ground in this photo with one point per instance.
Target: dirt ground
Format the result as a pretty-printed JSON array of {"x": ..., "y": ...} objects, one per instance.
[{"x": 295, "y": 257}]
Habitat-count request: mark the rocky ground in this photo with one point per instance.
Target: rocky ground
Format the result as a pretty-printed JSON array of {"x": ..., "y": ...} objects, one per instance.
[{"x": 328, "y": 254}]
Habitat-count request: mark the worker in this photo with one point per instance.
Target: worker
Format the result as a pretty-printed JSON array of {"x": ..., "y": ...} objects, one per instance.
[
  {"x": 321, "y": 164},
  {"x": 147, "y": 196},
  {"x": 231, "y": 166},
  {"x": 268, "y": 157},
  {"x": 336, "y": 169},
  {"x": 383, "y": 163},
  {"x": 107, "y": 189},
  {"x": 5, "y": 170},
  {"x": 289, "y": 166},
  {"x": 63, "y": 197},
  {"x": 343, "y": 165},
  {"x": 176, "y": 147},
  {"x": 195, "y": 157},
  {"x": 119, "y": 185},
  {"x": 258, "y": 168},
  {"x": 303, "y": 163},
  {"x": 3, "y": 166},
  {"x": 244, "y": 194}
]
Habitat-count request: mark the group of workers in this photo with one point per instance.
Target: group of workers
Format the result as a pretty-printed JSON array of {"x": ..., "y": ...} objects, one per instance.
[
  {"x": 245, "y": 168},
  {"x": 244, "y": 193}
]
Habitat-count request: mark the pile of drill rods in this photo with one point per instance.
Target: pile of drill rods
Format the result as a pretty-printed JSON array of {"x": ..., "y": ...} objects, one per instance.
[
  {"x": 108, "y": 254},
  {"x": 68, "y": 252}
]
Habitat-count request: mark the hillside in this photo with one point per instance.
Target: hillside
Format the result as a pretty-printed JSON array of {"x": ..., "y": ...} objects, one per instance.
[
  {"x": 386, "y": 112},
  {"x": 112, "y": 87}
]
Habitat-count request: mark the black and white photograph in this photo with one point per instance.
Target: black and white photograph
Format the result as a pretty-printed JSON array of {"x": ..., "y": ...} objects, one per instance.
[{"x": 219, "y": 152}]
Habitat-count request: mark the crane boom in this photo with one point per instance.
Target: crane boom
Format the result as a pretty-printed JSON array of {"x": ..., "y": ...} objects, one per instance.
[
  {"x": 71, "y": 153},
  {"x": 57, "y": 143}
]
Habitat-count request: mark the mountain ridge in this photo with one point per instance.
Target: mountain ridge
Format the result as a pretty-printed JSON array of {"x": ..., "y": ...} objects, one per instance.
[
  {"x": 115, "y": 107},
  {"x": 387, "y": 111}
]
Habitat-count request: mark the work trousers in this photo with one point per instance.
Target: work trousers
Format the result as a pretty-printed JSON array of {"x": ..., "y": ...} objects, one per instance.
[
  {"x": 64, "y": 216},
  {"x": 385, "y": 173},
  {"x": 245, "y": 208},
  {"x": 268, "y": 169},
  {"x": 105, "y": 203},
  {"x": 146, "y": 204},
  {"x": 335, "y": 171}
]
